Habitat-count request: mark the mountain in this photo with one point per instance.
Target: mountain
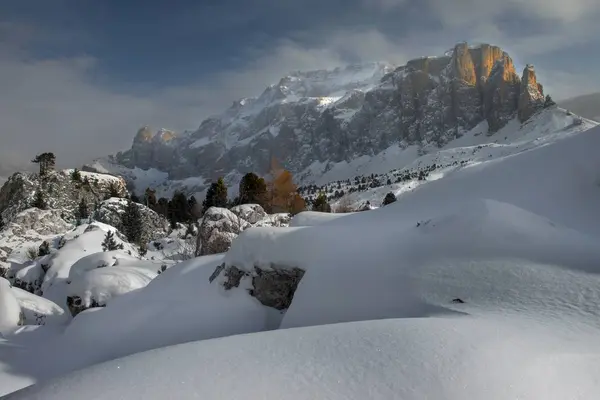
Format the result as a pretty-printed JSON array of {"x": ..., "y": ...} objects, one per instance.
[
  {"x": 587, "y": 106},
  {"x": 313, "y": 122}
]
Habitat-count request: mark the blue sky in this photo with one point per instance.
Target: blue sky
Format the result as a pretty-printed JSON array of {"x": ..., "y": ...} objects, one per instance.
[{"x": 80, "y": 76}]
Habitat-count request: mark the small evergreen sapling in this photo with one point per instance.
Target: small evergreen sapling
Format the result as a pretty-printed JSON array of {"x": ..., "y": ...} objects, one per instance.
[
  {"x": 76, "y": 175},
  {"x": 82, "y": 211},
  {"x": 132, "y": 223},
  {"x": 110, "y": 244}
]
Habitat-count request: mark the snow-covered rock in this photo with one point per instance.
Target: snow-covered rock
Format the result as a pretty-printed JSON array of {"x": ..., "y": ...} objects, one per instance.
[
  {"x": 251, "y": 213},
  {"x": 220, "y": 226},
  {"x": 218, "y": 229},
  {"x": 28, "y": 230},
  {"x": 11, "y": 315},
  {"x": 38, "y": 310},
  {"x": 60, "y": 191},
  {"x": 154, "y": 226}
]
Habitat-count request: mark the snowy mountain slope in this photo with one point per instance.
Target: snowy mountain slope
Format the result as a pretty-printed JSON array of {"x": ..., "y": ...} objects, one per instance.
[
  {"x": 514, "y": 239},
  {"x": 473, "y": 148},
  {"x": 316, "y": 120}
]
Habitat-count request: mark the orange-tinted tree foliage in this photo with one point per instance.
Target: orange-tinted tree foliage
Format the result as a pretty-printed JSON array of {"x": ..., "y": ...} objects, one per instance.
[{"x": 283, "y": 192}]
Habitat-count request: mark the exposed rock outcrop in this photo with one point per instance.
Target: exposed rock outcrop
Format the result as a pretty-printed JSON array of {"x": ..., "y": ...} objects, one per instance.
[
  {"x": 218, "y": 229},
  {"x": 154, "y": 226},
  {"x": 274, "y": 286},
  {"x": 531, "y": 98},
  {"x": 501, "y": 93},
  {"x": 220, "y": 226},
  {"x": 59, "y": 190}
]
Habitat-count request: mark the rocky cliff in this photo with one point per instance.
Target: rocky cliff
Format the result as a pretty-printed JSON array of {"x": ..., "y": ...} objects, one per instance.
[
  {"x": 311, "y": 120},
  {"x": 59, "y": 190}
]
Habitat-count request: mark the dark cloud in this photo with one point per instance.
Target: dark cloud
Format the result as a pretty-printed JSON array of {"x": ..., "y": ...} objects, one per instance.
[{"x": 85, "y": 97}]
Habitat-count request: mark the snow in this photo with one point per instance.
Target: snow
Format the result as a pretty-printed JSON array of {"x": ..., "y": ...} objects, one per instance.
[
  {"x": 83, "y": 240},
  {"x": 10, "y": 310},
  {"x": 180, "y": 305},
  {"x": 434, "y": 358},
  {"x": 514, "y": 236},
  {"x": 312, "y": 218},
  {"x": 38, "y": 310}
]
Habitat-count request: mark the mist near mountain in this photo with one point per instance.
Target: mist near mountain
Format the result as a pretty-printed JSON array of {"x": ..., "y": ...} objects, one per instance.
[{"x": 587, "y": 106}]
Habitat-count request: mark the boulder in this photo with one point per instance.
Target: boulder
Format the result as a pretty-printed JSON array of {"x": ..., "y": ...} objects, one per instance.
[
  {"x": 274, "y": 286},
  {"x": 154, "y": 225},
  {"x": 218, "y": 229},
  {"x": 220, "y": 226}
]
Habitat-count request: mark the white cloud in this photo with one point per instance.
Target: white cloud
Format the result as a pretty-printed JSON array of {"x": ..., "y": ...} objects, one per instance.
[{"x": 460, "y": 12}]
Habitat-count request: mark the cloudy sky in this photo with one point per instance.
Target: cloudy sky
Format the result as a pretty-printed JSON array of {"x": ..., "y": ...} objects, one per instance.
[{"x": 79, "y": 77}]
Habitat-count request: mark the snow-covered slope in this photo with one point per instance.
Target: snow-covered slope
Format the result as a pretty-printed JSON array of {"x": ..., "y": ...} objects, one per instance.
[
  {"x": 431, "y": 358},
  {"x": 376, "y": 176},
  {"x": 482, "y": 284}
]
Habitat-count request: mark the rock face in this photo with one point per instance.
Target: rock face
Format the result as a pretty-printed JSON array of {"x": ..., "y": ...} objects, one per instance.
[
  {"x": 154, "y": 226},
  {"x": 218, "y": 229},
  {"x": 311, "y": 119},
  {"x": 531, "y": 97},
  {"x": 274, "y": 286},
  {"x": 59, "y": 190},
  {"x": 220, "y": 226}
]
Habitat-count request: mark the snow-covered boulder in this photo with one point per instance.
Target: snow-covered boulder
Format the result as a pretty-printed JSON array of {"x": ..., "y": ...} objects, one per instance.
[
  {"x": 28, "y": 276},
  {"x": 154, "y": 226},
  {"x": 36, "y": 222},
  {"x": 29, "y": 229},
  {"x": 11, "y": 315},
  {"x": 249, "y": 212},
  {"x": 96, "y": 279},
  {"x": 218, "y": 229},
  {"x": 82, "y": 241},
  {"x": 278, "y": 220},
  {"x": 38, "y": 310},
  {"x": 220, "y": 226}
]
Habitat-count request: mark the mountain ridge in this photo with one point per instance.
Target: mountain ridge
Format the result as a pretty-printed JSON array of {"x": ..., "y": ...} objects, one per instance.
[{"x": 312, "y": 120}]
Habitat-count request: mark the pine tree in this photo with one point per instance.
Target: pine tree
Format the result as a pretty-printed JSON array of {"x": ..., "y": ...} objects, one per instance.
[
  {"x": 150, "y": 198},
  {"x": 194, "y": 208},
  {"x": 179, "y": 208},
  {"x": 47, "y": 161},
  {"x": 76, "y": 175},
  {"x": 389, "y": 199},
  {"x": 109, "y": 243},
  {"x": 253, "y": 190},
  {"x": 216, "y": 196},
  {"x": 320, "y": 204},
  {"x": 39, "y": 201},
  {"x": 82, "y": 211},
  {"x": 132, "y": 223}
]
